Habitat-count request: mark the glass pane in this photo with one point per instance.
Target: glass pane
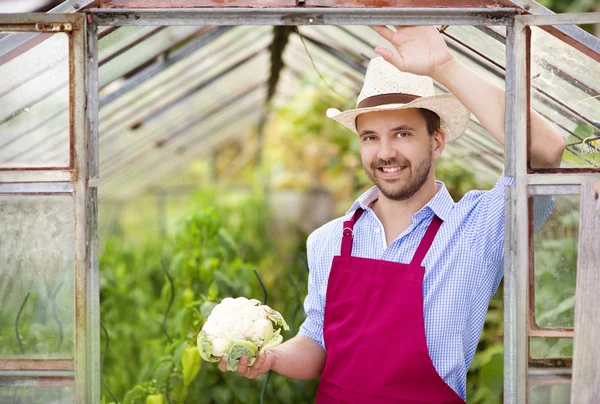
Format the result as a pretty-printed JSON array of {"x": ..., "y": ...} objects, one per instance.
[
  {"x": 555, "y": 254},
  {"x": 546, "y": 348},
  {"x": 122, "y": 37},
  {"x": 550, "y": 394},
  {"x": 37, "y": 284},
  {"x": 37, "y": 395},
  {"x": 34, "y": 106},
  {"x": 141, "y": 53},
  {"x": 568, "y": 82}
]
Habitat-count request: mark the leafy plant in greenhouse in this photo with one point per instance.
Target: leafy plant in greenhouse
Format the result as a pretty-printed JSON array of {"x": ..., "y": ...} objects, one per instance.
[{"x": 213, "y": 256}]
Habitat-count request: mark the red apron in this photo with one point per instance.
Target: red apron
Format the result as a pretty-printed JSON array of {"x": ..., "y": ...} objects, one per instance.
[{"x": 374, "y": 331}]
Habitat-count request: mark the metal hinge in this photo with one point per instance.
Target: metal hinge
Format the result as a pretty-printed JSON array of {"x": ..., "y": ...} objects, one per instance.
[{"x": 53, "y": 27}]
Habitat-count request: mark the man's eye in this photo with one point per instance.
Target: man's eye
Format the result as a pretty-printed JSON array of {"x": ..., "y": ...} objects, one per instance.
[
  {"x": 403, "y": 134},
  {"x": 368, "y": 138}
]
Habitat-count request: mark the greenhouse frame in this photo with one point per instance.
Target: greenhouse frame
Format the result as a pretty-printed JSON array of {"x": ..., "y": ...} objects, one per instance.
[{"x": 104, "y": 100}]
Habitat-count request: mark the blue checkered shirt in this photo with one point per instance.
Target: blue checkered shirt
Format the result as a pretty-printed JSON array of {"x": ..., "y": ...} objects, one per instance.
[{"x": 463, "y": 268}]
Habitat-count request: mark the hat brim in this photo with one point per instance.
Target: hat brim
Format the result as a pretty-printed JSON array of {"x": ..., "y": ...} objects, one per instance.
[{"x": 454, "y": 116}]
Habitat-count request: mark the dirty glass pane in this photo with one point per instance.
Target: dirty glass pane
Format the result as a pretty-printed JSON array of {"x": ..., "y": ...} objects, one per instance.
[
  {"x": 37, "y": 395},
  {"x": 550, "y": 394},
  {"x": 546, "y": 348},
  {"x": 569, "y": 83},
  {"x": 174, "y": 88},
  {"x": 181, "y": 97},
  {"x": 120, "y": 39},
  {"x": 142, "y": 52},
  {"x": 36, "y": 286},
  {"x": 34, "y": 105},
  {"x": 555, "y": 255}
]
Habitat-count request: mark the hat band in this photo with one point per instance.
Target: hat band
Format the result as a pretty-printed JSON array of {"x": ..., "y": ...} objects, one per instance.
[{"x": 382, "y": 99}]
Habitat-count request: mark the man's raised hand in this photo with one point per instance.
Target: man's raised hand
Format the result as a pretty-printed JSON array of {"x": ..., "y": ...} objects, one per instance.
[{"x": 419, "y": 49}]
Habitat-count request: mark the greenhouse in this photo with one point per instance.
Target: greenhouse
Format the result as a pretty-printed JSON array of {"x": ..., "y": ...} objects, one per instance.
[{"x": 158, "y": 156}]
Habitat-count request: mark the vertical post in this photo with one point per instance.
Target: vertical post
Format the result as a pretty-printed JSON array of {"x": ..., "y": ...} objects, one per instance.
[
  {"x": 92, "y": 97},
  {"x": 586, "y": 350},
  {"x": 92, "y": 163},
  {"x": 517, "y": 218},
  {"x": 78, "y": 127},
  {"x": 93, "y": 298}
]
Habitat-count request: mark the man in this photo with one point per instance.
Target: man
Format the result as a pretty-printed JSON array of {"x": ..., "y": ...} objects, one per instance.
[{"x": 399, "y": 287}]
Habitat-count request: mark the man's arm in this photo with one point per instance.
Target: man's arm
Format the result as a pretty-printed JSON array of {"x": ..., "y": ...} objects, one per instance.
[
  {"x": 422, "y": 50},
  {"x": 298, "y": 358},
  {"x": 486, "y": 101}
]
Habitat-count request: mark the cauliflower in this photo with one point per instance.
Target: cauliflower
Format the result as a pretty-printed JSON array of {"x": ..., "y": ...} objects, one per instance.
[{"x": 238, "y": 327}]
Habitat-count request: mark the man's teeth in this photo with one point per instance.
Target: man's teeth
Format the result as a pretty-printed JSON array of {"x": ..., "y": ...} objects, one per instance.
[{"x": 391, "y": 169}]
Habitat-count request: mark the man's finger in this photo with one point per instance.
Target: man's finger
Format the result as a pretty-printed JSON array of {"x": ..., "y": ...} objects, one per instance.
[
  {"x": 259, "y": 362},
  {"x": 392, "y": 57},
  {"x": 256, "y": 369},
  {"x": 384, "y": 31},
  {"x": 243, "y": 366},
  {"x": 223, "y": 364}
]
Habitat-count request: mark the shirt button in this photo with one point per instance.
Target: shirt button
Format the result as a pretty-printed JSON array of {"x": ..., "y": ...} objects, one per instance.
[{"x": 377, "y": 230}]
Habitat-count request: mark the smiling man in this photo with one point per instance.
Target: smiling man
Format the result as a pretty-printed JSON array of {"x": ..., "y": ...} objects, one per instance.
[{"x": 399, "y": 287}]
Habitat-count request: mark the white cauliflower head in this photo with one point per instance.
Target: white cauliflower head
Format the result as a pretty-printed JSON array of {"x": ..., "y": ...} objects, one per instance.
[{"x": 238, "y": 327}]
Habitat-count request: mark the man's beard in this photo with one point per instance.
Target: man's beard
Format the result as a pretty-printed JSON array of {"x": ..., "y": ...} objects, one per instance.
[{"x": 401, "y": 189}]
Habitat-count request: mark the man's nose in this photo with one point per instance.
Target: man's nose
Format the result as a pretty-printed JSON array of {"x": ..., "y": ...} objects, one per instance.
[{"x": 386, "y": 150}]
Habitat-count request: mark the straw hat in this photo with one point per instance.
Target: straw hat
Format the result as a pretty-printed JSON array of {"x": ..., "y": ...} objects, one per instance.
[{"x": 387, "y": 88}]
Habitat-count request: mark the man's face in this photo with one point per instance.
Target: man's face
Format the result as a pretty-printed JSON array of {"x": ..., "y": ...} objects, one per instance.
[{"x": 396, "y": 151}]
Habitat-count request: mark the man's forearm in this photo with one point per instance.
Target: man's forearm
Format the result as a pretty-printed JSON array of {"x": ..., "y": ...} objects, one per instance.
[
  {"x": 486, "y": 101},
  {"x": 299, "y": 358}
]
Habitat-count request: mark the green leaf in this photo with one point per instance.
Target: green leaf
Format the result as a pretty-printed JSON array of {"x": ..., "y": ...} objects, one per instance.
[
  {"x": 492, "y": 374},
  {"x": 276, "y": 340},
  {"x": 207, "y": 308},
  {"x": 276, "y": 317},
  {"x": 163, "y": 370},
  {"x": 205, "y": 348},
  {"x": 213, "y": 291},
  {"x": 133, "y": 396},
  {"x": 239, "y": 349},
  {"x": 584, "y": 130}
]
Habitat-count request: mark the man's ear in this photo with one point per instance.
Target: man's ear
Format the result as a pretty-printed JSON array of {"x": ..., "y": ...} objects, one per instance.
[{"x": 438, "y": 143}]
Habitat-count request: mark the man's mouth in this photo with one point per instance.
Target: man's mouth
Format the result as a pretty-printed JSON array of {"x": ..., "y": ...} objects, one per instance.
[{"x": 391, "y": 169}]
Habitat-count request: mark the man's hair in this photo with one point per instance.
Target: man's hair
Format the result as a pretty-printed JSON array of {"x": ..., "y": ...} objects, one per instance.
[{"x": 432, "y": 119}]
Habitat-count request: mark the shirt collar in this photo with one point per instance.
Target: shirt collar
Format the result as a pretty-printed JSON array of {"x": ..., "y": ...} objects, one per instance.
[{"x": 441, "y": 204}]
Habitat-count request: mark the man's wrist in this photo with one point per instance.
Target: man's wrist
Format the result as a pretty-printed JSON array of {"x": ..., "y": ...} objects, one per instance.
[
  {"x": 445, "y": 73},
  {"x": 275, "y": 358}
]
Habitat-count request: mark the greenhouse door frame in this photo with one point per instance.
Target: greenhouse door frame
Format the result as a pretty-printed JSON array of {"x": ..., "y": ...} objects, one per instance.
[
  {"x": 83, "y": 370},
  {"x": 528, "y": 182},
  {"x": 84, "y": 85}
]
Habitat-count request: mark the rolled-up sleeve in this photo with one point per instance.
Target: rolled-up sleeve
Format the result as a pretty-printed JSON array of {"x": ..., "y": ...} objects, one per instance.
[{"x": 314, "y": 304}]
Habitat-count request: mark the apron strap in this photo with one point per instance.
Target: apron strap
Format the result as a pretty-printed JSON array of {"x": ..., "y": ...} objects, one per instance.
[
  {"x": 427, "y": 241},
  {"x": 347, "y": 233}
]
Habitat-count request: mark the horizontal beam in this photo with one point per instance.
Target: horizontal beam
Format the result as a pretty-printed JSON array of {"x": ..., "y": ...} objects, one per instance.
[
  {"x": 539, "y": 332},
  {"x": 554, "y": 189},
  {"x": 34, "y": 18},
  {"x": 36, "y": 175},
  {"x": 548, "y": 371},
  {"x": 37, "y": 365},
  {"x": 304, "y": 16},
  {"x": 561, "y": 178},
  {"x": 36, "y": 373},
  {"x": 561, "y": 19},
  {"x": 37, "y": 188}
]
